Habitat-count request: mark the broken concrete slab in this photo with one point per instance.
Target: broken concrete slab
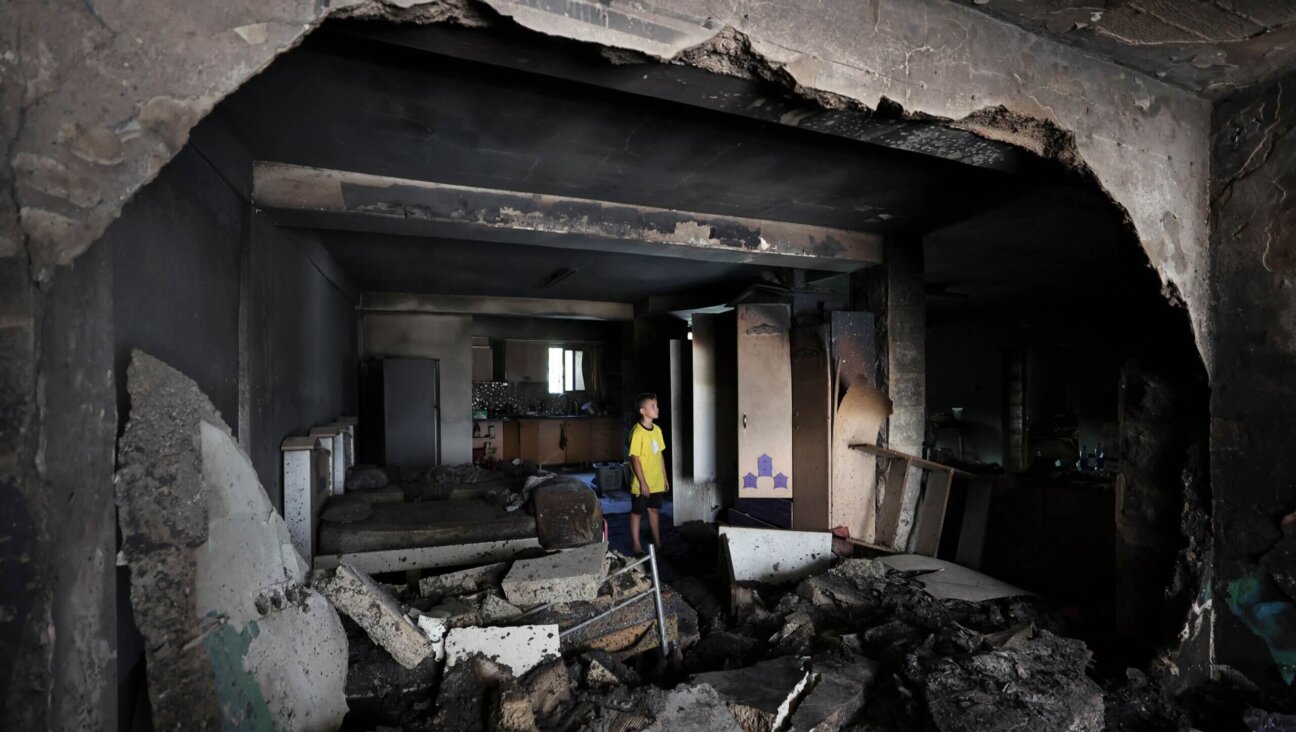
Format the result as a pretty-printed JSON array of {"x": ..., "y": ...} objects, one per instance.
[
  {"x": 775, "y": 556},
  {"x": 520, "y": 647},
  {"x": 840, "y": 686},
  {"x": 760, "y": 697},
  {"x": 851, "y": 584},
  {"x": 464, "y": 581},
  {"x": 566, "y": 576},
  {"x": 492, "y": 608},
  {"x": 216, "y": 585},
  {"x": 948, "y": 581},
  {"x": 567, "y": 514},
  {"x": 377, "y": 612},
  {"x": 1036, "y": 684},
  {"x": 690, "y": 707},
  {"x": 456, "y": 612}
]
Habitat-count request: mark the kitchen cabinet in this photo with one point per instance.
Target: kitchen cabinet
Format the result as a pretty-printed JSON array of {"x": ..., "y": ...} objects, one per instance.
[
  {"x": 605, "y": 440},
  {"x": 526, "y": 361},
  {"x": 541, "y": 441},
  {"x": 578, "y": 440},
  {"x": 511, "y": 448},
  {"x": 483, "y": 365},
  {"x": 538, "y": 361},
  {"x": 562, "y": 441}
]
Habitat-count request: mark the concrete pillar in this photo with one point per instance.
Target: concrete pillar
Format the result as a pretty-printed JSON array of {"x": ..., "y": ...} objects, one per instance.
[
  {"x": 906, "y": 349},
  {"x": 303, "y": 491}
]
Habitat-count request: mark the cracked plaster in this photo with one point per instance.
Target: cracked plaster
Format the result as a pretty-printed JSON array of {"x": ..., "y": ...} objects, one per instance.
[
  {"x": 110, "y": 130},
  {"x": 96, "y": 97}
]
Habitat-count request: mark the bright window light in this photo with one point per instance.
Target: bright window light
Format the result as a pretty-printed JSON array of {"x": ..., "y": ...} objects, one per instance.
[
  {"x": 580, "y": 371},
  {"x": 555, "y": 370}
]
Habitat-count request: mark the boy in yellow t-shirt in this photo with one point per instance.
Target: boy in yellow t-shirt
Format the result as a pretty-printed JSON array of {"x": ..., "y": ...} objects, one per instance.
[{"x": 649, "y": 484}]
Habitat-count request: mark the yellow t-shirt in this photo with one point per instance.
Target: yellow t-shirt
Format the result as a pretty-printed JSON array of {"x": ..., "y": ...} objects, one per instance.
[{"x": 648, "y": 446}]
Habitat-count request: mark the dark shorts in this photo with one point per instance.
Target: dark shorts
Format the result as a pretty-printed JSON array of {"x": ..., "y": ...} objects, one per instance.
[{"x": 640, "y": 504}]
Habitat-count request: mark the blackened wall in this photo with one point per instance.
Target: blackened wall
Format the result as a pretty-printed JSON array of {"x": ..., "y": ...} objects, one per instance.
[
  {"x": 300, "y": 345},
  {"x": 257, "y": 316},
  {"x": 1253, "y": 400},
  {"x": 176, "y": 263}
]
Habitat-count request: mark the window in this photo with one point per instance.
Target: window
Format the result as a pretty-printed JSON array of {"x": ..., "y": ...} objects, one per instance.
[{"x": 566, "y": 370}]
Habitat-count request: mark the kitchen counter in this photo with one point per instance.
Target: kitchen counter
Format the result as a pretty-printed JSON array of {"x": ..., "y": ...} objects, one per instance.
[{"x": 552, "y": 439}]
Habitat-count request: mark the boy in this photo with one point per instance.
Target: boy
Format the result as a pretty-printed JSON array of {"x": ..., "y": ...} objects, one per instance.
[{"x": 648, "y": 484}]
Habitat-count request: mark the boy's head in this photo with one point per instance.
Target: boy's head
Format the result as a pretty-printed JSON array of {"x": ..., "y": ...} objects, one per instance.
[{"x": 646, "y": 403}]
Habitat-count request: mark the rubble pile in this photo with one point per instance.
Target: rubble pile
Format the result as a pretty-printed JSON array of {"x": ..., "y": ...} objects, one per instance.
[{"x": 859, "y": 646}]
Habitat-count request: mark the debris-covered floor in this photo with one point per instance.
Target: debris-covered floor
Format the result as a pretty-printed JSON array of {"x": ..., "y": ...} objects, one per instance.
[{"x": 860, "y": 646}]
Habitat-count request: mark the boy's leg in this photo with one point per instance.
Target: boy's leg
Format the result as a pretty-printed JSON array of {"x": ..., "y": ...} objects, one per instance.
[
  {"x": 653, "y": 525},
  {"x": 638, "y": 504}
]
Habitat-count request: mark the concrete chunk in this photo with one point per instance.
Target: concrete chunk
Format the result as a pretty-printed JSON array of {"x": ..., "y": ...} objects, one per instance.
[
  {"x": 775, "y": 556},
  {"x": 567, "y": 514},
  {"x": 837, "y": 696},
  {"x": 691, "y": 707},
  {"x": 566, "y": 576},
  {"x": 465, "y": 581},
  {"x": 492, "y": 608},
  {"x": 378, "y": 613},
  {"x": 760, "y": 697},
  {"x": 521, "y": 647},
  {"x": 202, "y": 540}
]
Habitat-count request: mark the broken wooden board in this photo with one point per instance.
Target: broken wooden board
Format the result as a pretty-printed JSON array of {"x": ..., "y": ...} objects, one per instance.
[
  {"x": 948, "y": 581},
  {"x": 853, "y": 495}
]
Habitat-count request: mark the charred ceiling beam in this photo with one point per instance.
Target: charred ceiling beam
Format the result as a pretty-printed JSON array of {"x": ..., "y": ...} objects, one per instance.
[
  {"x": 524, "y": 307},
  {"x": 755, "y": 97},
  {"x": 333, "y": 199}
]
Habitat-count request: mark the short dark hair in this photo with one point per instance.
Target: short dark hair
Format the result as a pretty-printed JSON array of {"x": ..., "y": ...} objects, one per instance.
[{"x": 639, "y": 400}]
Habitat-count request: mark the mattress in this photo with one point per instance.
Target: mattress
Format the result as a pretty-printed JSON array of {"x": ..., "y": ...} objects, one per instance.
[{"x": 424, "y": 524}]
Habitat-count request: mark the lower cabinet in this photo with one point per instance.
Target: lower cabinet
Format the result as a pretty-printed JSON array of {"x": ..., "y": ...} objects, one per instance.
[{"x": 561, "y": 441}]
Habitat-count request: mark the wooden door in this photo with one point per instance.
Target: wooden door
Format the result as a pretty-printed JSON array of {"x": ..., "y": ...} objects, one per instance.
[{"x": 764, "y": 402}]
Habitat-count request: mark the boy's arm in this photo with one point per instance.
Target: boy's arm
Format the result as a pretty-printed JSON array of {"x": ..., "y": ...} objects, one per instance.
[{"x": 637, "y": 467}]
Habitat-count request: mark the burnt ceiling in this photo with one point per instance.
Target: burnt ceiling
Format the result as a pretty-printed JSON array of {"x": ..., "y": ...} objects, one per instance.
[
  {"x": 378, "y": 262},
  {"x": 351, "y": 105},
  {"x": 1209, "y": 47}
]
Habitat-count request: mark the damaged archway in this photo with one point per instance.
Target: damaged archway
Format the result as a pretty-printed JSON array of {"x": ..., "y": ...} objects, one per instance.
[{"x": 76, "y": 158}]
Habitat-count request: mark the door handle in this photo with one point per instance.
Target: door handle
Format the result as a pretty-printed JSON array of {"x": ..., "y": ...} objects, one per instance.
[{"x": 744, "y": 421}]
